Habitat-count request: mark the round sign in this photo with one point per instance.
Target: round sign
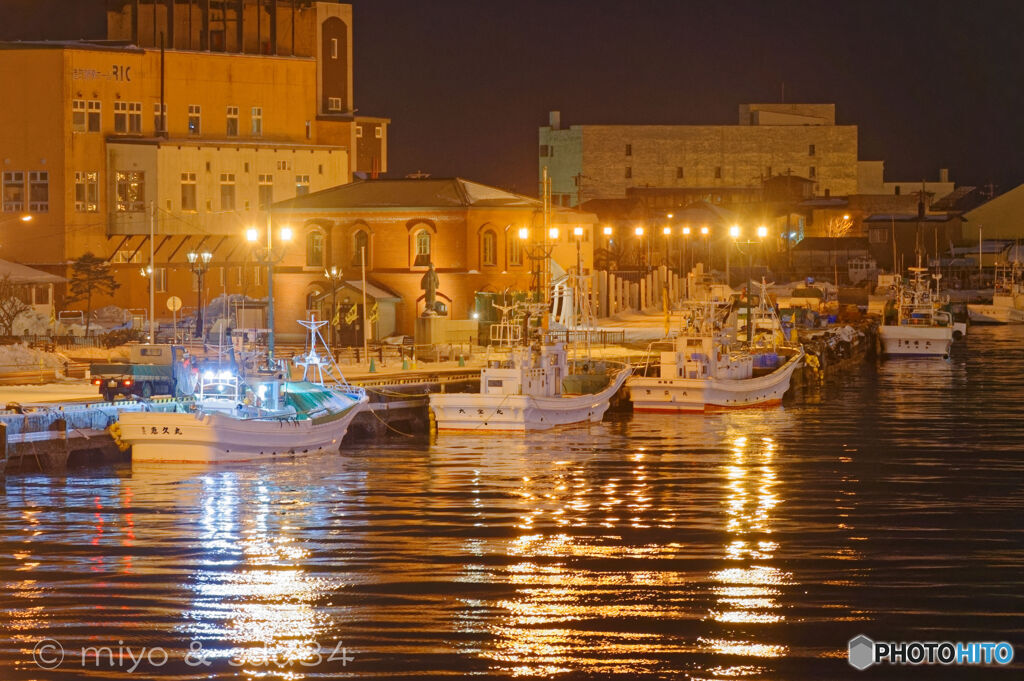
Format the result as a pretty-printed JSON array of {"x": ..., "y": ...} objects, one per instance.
[{"x": 174, "y": 303}]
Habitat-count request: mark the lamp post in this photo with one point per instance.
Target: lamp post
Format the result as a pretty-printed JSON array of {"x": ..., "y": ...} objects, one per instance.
[
  {"x": 252, "y": 235},
  {"x": 684, "y": 261},
  {"x": 639, "y": 231},
  {"x": 199, "y": 263},
  {"x": 704, "y": 231},
  {"x": 334, "y": 276},
  {"x": 667, "y": 231},
  {"x": 762, "y": 232},
  {"x": 734, "y": 232},
  {"x": 608, "y": 244}
]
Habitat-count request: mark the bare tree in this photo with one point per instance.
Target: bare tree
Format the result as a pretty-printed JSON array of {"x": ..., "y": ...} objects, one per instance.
[
  {"x": 11, "y": 304},
  {"x": 838, "y": 226}
]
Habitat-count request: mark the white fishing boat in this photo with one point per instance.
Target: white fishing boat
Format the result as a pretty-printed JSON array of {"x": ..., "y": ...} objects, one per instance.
[
  {"x": 255, "y": 419},
  {"x": 530, "y": 387},
  {"x": 1007, "y": 306},
  {"x": 914, "y": 323},
  {"x": 706, "y": 369}
]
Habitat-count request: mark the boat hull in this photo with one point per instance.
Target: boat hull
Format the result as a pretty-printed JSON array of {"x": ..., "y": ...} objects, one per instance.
[
  {"x": 217, "y": 438},
  {"x": 454, "y": 412},
  {"x": 675, "y": 395},
  {"x": 995, "y": 314},
  {"x": 916, "y": 341}
]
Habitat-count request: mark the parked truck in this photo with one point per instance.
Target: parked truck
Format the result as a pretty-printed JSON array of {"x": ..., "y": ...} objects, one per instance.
[{"x": 150, "y": 370}]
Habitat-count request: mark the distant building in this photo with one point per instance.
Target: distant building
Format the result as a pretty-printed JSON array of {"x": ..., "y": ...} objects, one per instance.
[
  {"x": 714, "y": 163},
  {"x": 999, "y": 218},
  {"x": 470, "y": 232},
  {"x": 895, "y": 239},
  {"x": 251, "y": 102}
]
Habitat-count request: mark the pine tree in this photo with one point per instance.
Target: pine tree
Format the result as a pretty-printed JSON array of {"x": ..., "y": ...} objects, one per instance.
[{"x": 90, "y": 274}]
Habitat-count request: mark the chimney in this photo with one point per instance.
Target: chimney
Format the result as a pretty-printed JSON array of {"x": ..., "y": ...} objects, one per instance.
[
  {"x": 555, "y": 120},
  {"x": 943, "y": 174}
]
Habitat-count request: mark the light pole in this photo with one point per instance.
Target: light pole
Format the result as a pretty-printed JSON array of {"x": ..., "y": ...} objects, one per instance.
[
  {"x": 734, "y": 232},
  {"x": 333, "y": 275},
  {"x": 762, "y": 232},
  {"x": 252, "y": 235},
  {"x": 639, "y": 231},
  {"x": 200, "y": 263},
  {"x": 704, "y": 231},
  {"x": 667, "y": 231},
  {"x": 608, "y": 244}
]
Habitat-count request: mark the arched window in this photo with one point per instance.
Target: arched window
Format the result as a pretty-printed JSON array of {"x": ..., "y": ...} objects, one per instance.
[
  {"x": 515, "y": 251},
  {"x": 422, "y": 248},
  {"x": 311, "y": 300},
  {"x": 490, "y": 248},
  {"x": 315, "y": 249},
  {"x": 360, "y": 240}
]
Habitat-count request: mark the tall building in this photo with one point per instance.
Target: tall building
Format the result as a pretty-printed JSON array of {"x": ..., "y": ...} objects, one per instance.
[
  {"x": 189, "y": 121},
  {"x": 716, "y": 163}
]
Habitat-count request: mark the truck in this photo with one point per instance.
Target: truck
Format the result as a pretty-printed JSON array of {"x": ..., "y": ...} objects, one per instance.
[{"x": 150, "y": 370}]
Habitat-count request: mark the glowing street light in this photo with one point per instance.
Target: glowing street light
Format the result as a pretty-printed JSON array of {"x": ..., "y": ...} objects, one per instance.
[
  {"x": 199, "y": 263},
  {"x": 524, "y": 233},
  {"x": 762, "y": 232},
  {"x": 553, "y": 233}
]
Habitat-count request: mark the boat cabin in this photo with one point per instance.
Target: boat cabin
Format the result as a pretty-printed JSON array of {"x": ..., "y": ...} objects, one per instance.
[
  {"x": 700, "y": 356},
  {"x": 537, "y": 371}
]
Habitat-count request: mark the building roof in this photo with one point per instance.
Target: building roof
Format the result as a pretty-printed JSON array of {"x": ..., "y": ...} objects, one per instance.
[
  {"x": 704, "y": 213},
  {"x": 374, "y": 292},
  {"x": 909, "y": 217},
  {"x": 23, "y": 274},
  {"x": 832, "y": 243},
  {"x": 442, "y": 193},
  {"x": 952, "y": 200}
]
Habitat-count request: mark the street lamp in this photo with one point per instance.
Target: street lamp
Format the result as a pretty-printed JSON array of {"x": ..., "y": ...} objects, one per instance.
[
  {"x": 667, "y": 231},
  {"x": 268, "y": 257},
  {"x": 704, "y": 231},
  {"x": 762, "y": 232},
  {"x": 333, "y": 275},
  {"x": 578, "y": 233},
  {"x": 199, "y": 263},
  {"x": 734, "y": 233}
]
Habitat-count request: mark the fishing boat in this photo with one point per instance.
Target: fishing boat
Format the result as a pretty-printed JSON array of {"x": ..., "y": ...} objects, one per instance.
[
  {"x": 1007, "y": 305},
  {"x": 530, "y": 386},
  {"x": 263, "y": 417},
  {"x": 706, "y": 368},
  {"x": 914, "y": 322}
]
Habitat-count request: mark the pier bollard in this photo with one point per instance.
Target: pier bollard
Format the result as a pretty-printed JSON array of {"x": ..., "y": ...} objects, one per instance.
[
  {"x": 373, "y": 367},
  {"x": 405, "y": 364},
  {"x": 462, "y": 361}
]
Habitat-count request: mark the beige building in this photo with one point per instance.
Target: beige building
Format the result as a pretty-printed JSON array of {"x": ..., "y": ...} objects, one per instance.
[
  {"x": 248, "y": 103},
  {"x": 769, "y": 140}
]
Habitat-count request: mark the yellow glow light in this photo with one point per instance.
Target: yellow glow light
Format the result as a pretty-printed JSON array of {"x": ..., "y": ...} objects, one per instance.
[
  {"x": 524, "y": 233},
  {"x": 686, "y": 231},
  {"x": 704, "y": 231},
  {"x": 607, "y": 230},
  {"x": 578, "y": 231},
  {"x": 666, "y": 231},
  {"x": 286, "y": 234},
  {"x": 553, "y": 232},
  {"x": 762, "y": 232},
  {"x": 252, "y": 234},
  {"x": 734, "y": 231},
  {"x": 639, "y": 231}
]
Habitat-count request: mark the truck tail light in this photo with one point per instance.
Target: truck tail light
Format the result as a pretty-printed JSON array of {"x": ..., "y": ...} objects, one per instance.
[
  {"x": 127, "y": 382},
  {"x": 96, "y": 381}
]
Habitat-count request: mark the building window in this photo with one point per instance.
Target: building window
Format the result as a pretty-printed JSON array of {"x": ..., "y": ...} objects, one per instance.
[
  {"x": 78, "y": 115},
  {"x": 128, "y": 117},
  {"x": 160, "y": 278},
  {"x": 489, "y": 248},
  {"x": 334, "y": 103},
  {"x": 227, "y": 191},
  {"x": 309, "y": 130},
  {"x": 94, "y": 110},
  {"x": 39, "y": 191},
  {"x": 265, "y": 187},
  {"x": 359, "y": 131},
  {"x": 86, "y": 192},
  {"x": 284, "y": 165},
  {"x": 679, "y": 172},
  {"x": 301, "y": 185},
  {"x": 257, "y": 121},
  {"x": 334, "y": 48},
  {"x": 629, "y": 172},
  {"x": 315, "y": 249},
  {"x": 14, "y": 191},
  {"x": 810, "y": 150},
  {"x": 360, "y": 243},
  {"x": 195, "y": 114},
  {"x": 120, "y": 116},
  {"x": 130, "y": 191},
  {"x": 879, "y": 235},
  {"x": 188, "y": 192},
  {"x": 896, "y": 190},
  {"x": 515, "y": 251},
  {"x": 629, "y": 150},
  {"x": 813, "y": 172},
  {"x": 232, "y": 128},
  {"x": 378, "y": 132},
  {"x": 159, "y": 118},
  {"x": 257, "y": 276},
  {"x": 545, "y": 150},
  {"x": 422, "y": 248},
  {"x": 718, "y": 172}
]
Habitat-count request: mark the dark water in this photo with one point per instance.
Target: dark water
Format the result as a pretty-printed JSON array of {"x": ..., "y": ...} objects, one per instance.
[{"x": 746, "y": 545}]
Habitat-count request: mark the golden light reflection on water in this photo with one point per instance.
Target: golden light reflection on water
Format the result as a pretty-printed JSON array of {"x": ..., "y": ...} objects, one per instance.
[
  {"x": 254, "y": 591},
  {"x": 748, "y": 593}
]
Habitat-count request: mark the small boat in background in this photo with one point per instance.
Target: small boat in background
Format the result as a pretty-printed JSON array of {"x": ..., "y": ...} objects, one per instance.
[
  {"x": 914, "y": 322},
  {"x": 1007, "y": 305}
]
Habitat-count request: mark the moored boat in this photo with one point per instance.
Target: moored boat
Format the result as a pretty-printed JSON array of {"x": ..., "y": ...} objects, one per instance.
[
  {"x": 236, "y": 420},
  {"x": 915, "y": 324},
  {"x": 1007, "y": 306}
]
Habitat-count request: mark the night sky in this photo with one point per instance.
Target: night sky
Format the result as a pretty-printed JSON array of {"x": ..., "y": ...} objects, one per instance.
[{"x": 467, "y": 82}]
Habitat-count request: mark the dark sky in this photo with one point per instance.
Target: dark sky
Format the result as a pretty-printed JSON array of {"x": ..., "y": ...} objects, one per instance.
[{"x": 467, "y": 82}]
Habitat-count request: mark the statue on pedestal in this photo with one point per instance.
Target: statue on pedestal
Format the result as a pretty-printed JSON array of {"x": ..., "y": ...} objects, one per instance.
[{"x": 429, "y": 284}]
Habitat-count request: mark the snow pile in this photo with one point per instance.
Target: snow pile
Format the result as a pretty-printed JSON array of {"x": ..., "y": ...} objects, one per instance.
[
  {"x": 100, "y": 354},
  {"x": 20, "y": 357},
  {"x": 34, "y": 323}
]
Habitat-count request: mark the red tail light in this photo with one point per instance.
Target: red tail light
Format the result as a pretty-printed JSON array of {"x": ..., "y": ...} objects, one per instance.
[{"x": 127, "y": 383}]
